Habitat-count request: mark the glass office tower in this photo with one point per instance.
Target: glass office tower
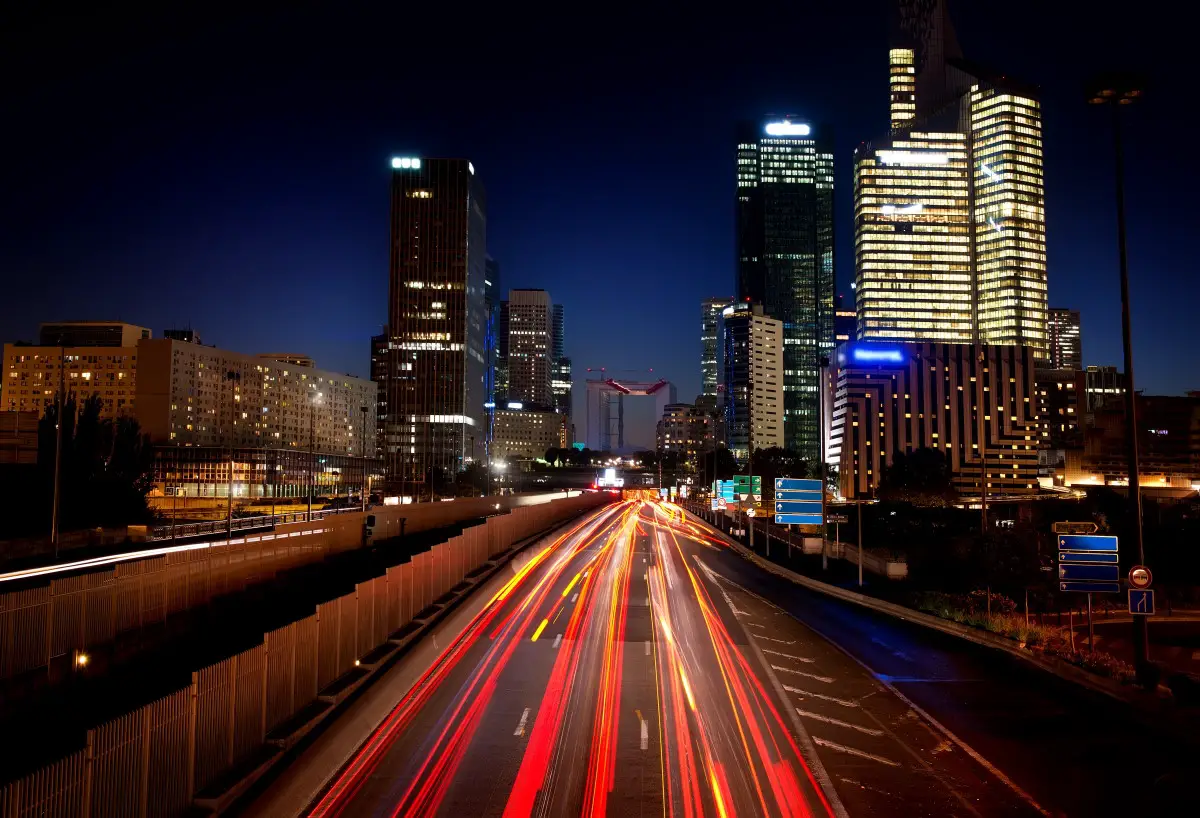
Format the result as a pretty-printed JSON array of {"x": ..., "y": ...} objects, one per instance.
[{"x": 785, "y": 254}]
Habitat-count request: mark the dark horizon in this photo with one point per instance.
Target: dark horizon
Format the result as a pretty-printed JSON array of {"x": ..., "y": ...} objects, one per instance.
[{"x": 230, "y": 173}]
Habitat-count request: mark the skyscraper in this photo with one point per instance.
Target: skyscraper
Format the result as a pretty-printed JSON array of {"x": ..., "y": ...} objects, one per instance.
[
  {"x": 753, "y": 350},
  {"x": 950, "y": 231},
  {"x": 560, "y": 365},
  {"x": 437, "y": 323},
  {"x": 530, "y": 341},
  {"x": 785, "y": 255},
  {"x": 710, "y": 343},
  {"x": 1066, "y": 343}
]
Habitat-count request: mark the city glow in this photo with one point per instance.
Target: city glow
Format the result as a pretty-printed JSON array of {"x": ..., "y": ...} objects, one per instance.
[{"x": 786, "y": 128}]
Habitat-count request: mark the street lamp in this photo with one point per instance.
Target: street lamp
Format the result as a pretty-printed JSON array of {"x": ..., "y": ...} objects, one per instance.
[
  {"x": 312, "y": 420},
  {"x": 234, "y": 378},
  {"x": 1116, "y": 91}
]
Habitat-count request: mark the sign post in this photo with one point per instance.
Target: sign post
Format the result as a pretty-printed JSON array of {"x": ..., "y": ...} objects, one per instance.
[
  {"x": 798, "y": 501},
  {"x": 1087, "y": 563}
]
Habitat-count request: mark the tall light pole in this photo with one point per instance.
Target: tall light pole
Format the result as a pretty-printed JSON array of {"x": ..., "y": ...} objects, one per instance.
[
  {"x": 312, "y": 421},
  {"x": 1115, "y": 91},
  {"x": 233, "y": 378},
  {"x": 58, "y": 433}
]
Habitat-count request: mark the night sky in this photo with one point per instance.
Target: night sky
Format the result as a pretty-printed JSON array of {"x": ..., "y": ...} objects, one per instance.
[{"x": 231, "y": 172}]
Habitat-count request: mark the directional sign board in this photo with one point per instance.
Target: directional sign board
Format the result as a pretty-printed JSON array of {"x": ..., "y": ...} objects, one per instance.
[
  {"x": 1075, "y": 528},
  {"x": 837, "y": 518},
  {"x": 1088, "y": 564},
  {"x": 1141, "y": 602},
  {"x": 797, "y": 501}
]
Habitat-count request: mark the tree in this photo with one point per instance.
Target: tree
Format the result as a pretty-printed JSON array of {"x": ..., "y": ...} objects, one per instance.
[
  {"x": 472, "y": 481},
  {"x": 920, "y": 477},
  {"x": 717, "y": 464}
]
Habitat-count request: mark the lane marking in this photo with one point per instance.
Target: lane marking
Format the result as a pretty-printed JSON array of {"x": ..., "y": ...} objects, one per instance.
[
  {"x": 520, "y": 731},
  {"x": 821, "y": 696},
  {"x": 851, "y": 751},
  {"x": 574, "y": 598},
  {"x": 645, "y": 743},
  {"x": 885, "y": 678},
  {"x": 805, "y": 714},
  {"x": 756, "y": 625},
  {"x": 647, "y": 647},
  {"x": 539, "y": 630},
  {"x": 773, "y": 639},
  {"x": 558, "y": 640},
  {"x": 789, "y": 656},
  {"x": 825, "y": 679}
]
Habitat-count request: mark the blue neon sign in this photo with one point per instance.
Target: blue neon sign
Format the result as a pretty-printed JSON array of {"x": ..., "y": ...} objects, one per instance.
[{"x": 867, "y": 354}]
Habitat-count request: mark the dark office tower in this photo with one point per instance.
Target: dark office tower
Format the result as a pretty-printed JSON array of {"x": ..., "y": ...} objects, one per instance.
[
  {"x": 710, "y": 343},
  {"x": 923, "y": 28},
  {"x": 785, "y": 254},
  {"x": 437, "y": 322},
  {"x": 491, "y": 344},
  {"x": 557, "y": 342},
  {"x": 560, "y": 377},
  {"x": 1066, "y": 344},
  {"x": 380, "y": 361}
]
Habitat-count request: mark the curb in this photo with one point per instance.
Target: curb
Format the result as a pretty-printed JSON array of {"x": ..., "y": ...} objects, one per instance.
[{"x": 1147, "y": 704}]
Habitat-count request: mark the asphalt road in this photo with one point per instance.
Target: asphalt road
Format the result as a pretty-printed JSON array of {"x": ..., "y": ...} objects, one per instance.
[{"x": 636, "y": 666}]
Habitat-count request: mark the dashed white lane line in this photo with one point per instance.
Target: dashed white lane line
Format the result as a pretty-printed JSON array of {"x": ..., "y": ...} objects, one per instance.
[
  {"x": 824, "y": 679},
  {"x": 645, "y": 743},
  {"x": 520, "y": 731},
  {"x": 870, "y": 731},
  {"x": 558, "y": 640},
  {"x": 647, "y": 647},
  {"x": 808, "y": 694},
  {"x": 756, "y": 625},
  {"x": 788, "y": 656},
  {"x": 773, "y": 639},
  {"x": 573, "y": 598},
  {"x": 852, "y": 752}
]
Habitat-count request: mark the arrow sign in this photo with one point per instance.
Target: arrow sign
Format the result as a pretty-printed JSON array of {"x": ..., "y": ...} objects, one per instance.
[
  {"x": 1079, "y": 542},
  {"x": 798, "y": 508},
  {"x": 1099, "y": 573},
  {"x": 1093, "y": 557},
  {"x": 1091, "y": 587},
  {"x": 1075, "y": 528},
  {"x": 1141, "y": 602},
  {"x": 798, "y": 519},
  {"x": 795, "y": 484}
]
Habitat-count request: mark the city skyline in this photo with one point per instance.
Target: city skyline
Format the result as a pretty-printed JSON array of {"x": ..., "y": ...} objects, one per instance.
[{"x": 264, "y": 248}]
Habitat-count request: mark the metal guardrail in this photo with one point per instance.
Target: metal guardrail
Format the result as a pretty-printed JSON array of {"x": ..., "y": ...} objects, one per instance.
[{"x": 167, "y": 532}]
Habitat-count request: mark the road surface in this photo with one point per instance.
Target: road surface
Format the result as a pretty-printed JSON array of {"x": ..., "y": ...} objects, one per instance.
[{"x": 637, "y": 666}]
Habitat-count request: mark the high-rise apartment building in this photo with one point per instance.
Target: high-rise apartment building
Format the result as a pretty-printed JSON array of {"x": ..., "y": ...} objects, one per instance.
[
  {"x": 785, "y": 255},
  {"x": 710, "y": 343},
  {"x": 1066, "y": 343},
  {"x": 950, "y": 238},
  {"x": 437, "y": 323},
  {"x": 753, "y": 375},
  {"x": 530, "y": 342}
]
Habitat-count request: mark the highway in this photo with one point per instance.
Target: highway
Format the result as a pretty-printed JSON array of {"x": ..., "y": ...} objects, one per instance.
[{"x": 635, "y": 665}]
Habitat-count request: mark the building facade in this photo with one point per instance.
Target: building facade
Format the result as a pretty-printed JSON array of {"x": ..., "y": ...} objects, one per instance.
[
  {"x": 526, "y": 434},
  {"x": 710, "y": 343},
  {"x": 19, "y": 438},
  {"x": 685, "y": 430},
  {"x": 437, "y": 324},
  {"x": 380, "y": 357},
  {"x": 1066, "y": 343},
  {"x": 975, "y": 403},
  {"x": 91, "y": 334},
  {"x": 845, "y": 321},
  {"x": 753, "y": 363},
  {"x": 785, "y": 251},
  {"x": 530, "y": 343},
  {"x": 32, "y": 376},
  {"x": 950, "y": 229}
]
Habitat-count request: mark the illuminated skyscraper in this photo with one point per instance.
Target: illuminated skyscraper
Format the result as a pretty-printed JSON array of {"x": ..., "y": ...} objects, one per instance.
[
  {"x": 530, "y": 343},
  {"x": 437, "y": 323},
  {"x": 785, "y": 255},
  {"x": 1066, "y": 347},
  {"x": 710, "y": 343},
  {"x": 950, "y": 231}
]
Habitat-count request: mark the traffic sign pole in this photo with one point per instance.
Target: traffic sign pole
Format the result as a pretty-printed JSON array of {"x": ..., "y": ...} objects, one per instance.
[{"x": 1091, "y": 629}]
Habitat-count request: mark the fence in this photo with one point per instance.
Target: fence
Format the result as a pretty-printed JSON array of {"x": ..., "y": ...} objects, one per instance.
[
  {"x": 75, "y": 613},
  {"x": 155, "y": 760}
]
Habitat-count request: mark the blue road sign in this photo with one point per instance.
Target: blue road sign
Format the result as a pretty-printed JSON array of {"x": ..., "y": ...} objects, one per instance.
[
  {"x": 1099, "y": 573},
  {"x": 1090, "y": 587},
  {"x": 799, "y": 496},
  {"x": 1094, "y": 557},
  {"x": 798, "y": 519},
  {"x": 787, "y": 507},
  {"x": 794, "y": 484},
  {"x": 1141, "y": 602},
  {"x": 1085, "y": 542}
]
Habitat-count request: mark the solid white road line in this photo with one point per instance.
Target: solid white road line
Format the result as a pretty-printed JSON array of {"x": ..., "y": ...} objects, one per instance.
[
  {"x": 851, "y": 751},
  {"x": 558, "y": 640},
  {"x": 788, "y": 656},
  {"x": 520, "y": 731},
  {"x": 825, "y": 679},
  {"x": 870, "y": 731},
  {"x": 821, "y": 696},
  {"x": 645, "y": 735}
]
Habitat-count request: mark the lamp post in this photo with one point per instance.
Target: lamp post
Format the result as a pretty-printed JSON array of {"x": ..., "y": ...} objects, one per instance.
[
  {"x": 312, "y": 421},
  {"x": 233, "y": 378},
  {"x": 1116, "y": 91},
  {"x": 58, "y": 433}
]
